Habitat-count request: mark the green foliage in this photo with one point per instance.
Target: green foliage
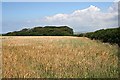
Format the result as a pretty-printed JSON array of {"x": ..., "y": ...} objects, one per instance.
[
  {"x": 43, "y": 31},
  {"x": 105, "y": 35}
]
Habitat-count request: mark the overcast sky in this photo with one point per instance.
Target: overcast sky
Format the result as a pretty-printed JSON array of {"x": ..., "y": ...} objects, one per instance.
[{"x": 81, "y": 16}]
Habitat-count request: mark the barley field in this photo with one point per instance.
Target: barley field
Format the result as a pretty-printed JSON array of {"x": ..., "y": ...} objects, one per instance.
[{"x": 57, "y": 57}]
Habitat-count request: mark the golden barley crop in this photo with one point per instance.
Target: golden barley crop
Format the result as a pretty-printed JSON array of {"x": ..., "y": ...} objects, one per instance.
[{"x": 57, "y": 57}]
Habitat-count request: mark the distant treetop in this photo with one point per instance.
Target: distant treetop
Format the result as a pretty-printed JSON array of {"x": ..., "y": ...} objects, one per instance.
[{"x": 43, "y": 31}]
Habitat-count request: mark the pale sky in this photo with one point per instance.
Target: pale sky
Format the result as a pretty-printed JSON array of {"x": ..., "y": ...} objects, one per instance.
[{"x": 81, "y": 16}]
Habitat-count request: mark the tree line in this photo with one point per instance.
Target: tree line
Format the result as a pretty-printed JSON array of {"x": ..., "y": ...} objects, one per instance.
[
  {"x": 43, "y": 31},
  {"x": 111, "y": 35}
]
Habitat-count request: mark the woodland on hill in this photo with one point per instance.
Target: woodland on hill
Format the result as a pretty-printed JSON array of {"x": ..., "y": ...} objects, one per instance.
[{"x": 43, "y": 31}]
